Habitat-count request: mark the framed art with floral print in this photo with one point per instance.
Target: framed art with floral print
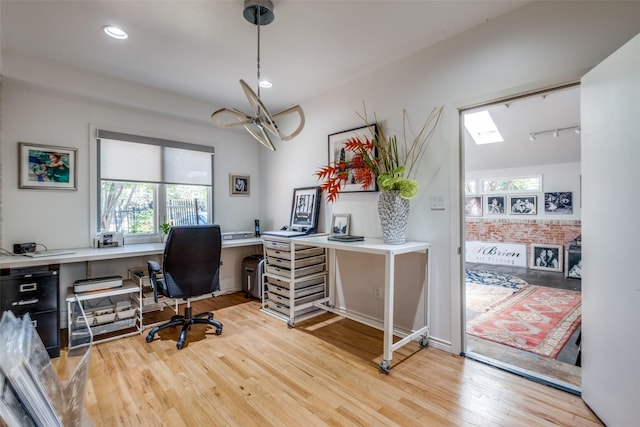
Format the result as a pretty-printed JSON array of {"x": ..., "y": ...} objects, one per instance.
[
  {"x": 47, "y": 167},
  {"x": 339, "y": 156}
]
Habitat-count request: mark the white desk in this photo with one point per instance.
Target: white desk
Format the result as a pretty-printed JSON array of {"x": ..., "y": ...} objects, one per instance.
[
  {"x": 89, "y": 255},
  {"x": 377, "y": 247},
  {"x": 101, "y": 254}
]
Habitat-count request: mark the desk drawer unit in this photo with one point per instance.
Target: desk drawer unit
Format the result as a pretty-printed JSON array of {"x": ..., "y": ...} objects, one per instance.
[
  {"x": 295, "y": 276},
  {"x": 34, "y": 290}
]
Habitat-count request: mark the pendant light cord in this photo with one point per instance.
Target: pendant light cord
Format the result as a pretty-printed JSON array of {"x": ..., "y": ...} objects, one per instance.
[{"x": 258, "y": 25}]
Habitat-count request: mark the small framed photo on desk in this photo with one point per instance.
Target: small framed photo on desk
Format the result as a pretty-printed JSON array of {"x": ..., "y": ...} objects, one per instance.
[{"x": 340, "y": 224}]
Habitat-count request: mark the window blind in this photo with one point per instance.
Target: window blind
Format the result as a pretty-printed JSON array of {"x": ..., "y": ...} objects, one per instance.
[{"x": 133, "y": 158}]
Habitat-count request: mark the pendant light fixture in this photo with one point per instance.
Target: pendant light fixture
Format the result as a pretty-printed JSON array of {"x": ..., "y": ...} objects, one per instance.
[{"x": 260, "y": 124}]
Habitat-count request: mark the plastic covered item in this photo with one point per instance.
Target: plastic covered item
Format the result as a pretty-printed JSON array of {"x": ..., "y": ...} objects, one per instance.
[{"x": 31, "y": 392}]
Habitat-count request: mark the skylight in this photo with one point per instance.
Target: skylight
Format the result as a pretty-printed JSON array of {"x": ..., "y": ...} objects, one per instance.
[{"x": 481, "y": 127}]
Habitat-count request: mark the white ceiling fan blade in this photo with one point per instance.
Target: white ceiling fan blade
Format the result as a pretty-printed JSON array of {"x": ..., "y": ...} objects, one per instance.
[
  {"x": 262, "y": 137},
  {"x": 260, "y": 111},
  {"x": 252, "y": 97},
  {"x": 294, "y": 109},
  {"x": 262, "y": 123},
  {"x": 241, "y": 118}
]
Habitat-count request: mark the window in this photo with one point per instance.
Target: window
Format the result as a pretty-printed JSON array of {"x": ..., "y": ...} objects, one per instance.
[
  {"x": 482, "y": 128},
  {"x": 144, "y": 182},
  {"x": 514, "y": 184}
]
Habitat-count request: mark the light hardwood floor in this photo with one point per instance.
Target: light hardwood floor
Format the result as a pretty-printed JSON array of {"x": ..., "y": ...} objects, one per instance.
[{"x": 323, "y": 372}]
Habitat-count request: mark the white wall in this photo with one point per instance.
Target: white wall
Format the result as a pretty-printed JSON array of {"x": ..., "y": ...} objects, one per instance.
[
  {"x": 60, "y": 219},
  {"x": 539, "y": 45},
  {"x": 555, "y": 178}
]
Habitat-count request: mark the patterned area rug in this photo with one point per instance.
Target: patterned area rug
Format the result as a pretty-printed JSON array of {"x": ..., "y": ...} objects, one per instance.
[
  {"x": 536, "y": 319},
  {"x": 482, "y": 277},
  {"x": 484, "y": 289}
]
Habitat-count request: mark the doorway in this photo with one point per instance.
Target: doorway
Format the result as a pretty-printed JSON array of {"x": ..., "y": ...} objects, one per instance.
[{"x": 522, "y": 228}]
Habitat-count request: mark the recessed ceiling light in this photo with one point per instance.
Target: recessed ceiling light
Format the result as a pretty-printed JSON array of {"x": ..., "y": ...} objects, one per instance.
[
  {"x": 115, "y": 32},
  {"x": 265, "y": 83}
]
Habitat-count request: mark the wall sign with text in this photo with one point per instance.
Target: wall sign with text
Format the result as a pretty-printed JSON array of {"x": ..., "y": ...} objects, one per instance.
[{"x": 496, "y": 253}]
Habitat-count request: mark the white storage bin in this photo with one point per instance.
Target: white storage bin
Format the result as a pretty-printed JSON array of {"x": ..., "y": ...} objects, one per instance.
[
  {"x": 297, "y": 263},
  {"x": 297, "y": 273}
]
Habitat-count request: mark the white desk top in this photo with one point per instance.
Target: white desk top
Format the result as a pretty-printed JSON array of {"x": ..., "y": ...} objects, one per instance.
[
  {"x": 372, "y": 246},
  {"x": 95, "y": 254}
]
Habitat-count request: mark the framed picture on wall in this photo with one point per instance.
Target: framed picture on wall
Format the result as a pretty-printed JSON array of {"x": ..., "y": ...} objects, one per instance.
[
  {"x": 495, "y": 205},
  {"x": 473, "y": 206},
  {"x": 47, "y": 167},
  {"x": 523, "y": 205},
  {"x": 470, "y": 186},
  {"x": 338, "y": 155},
  {"x": 560, "y": 203},
  {"x": 546, "y": 257},
  {"x": 239, "y": 185}
]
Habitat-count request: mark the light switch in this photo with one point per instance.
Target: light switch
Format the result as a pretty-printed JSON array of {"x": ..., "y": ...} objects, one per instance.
[{"x": 437, "y": 202}]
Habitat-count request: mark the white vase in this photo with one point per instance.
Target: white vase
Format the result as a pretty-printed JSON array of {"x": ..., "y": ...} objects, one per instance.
[{"x": 393, "y": 211}]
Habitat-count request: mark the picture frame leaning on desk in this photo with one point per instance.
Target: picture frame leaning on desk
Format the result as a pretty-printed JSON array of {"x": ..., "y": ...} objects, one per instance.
[{"x": 340, "y": 224}]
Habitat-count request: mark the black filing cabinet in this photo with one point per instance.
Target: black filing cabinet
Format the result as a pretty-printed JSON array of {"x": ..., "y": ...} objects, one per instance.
[{"x": 34, "y": 290}]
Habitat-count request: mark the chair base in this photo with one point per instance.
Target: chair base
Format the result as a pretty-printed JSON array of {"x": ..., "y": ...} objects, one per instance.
[{"x": 186, "y": 321}]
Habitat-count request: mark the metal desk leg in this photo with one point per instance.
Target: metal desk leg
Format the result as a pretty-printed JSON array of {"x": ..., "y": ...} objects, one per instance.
[
  {"x": 389, "y": 279},
  {"x": 332, "y": 264}
]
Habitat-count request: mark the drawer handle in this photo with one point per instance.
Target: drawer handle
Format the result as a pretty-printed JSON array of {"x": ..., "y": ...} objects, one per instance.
[
  {"x": 28, "y": 287},
  {"x": 26, "y": 302}
]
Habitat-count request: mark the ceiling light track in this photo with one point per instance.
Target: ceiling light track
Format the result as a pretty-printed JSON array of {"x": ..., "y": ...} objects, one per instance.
[
  {"x": 262, "y": 123},
  {"x": 555, "y": 132}
]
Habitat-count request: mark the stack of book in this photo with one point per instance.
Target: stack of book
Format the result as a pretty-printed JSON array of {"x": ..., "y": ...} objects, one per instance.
[{"x": 345, "y": 238}]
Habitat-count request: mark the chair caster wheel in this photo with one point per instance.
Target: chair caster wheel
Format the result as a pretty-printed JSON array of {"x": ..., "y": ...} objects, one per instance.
[
  {"x": 179, "y": 345},
  {"x": 218, "y": 331},
  {"x": 149, "y": 338}
]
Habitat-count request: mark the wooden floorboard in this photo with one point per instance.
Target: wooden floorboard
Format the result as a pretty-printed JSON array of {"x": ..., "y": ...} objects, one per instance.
[{"x": 323, "y": 372}]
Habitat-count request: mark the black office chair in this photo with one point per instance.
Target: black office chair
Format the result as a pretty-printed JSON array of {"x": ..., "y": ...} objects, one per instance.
[{"x": 191, "y": 267}]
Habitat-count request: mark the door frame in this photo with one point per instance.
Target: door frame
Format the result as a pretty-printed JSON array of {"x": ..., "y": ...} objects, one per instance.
[{"x": 541, "y": 90}]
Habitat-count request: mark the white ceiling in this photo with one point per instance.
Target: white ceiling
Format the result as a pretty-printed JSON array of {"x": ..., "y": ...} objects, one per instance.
[
  {"x": 517, "y": 119},
  {"x": 202, "y": 48}
]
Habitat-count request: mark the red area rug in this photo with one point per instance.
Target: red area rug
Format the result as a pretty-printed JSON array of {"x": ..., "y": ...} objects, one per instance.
[{"x": 536, "y": 319}]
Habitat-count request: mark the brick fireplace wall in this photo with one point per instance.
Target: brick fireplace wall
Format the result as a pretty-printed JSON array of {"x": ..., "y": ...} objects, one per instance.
[{"x": 555, "y": 232}]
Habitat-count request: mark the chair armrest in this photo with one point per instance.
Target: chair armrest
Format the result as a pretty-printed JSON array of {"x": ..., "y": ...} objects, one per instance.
[{"x": 154, "y": 269}]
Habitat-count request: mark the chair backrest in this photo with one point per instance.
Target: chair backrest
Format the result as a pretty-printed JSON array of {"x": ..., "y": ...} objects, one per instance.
[{"x": 191, "y": 262}]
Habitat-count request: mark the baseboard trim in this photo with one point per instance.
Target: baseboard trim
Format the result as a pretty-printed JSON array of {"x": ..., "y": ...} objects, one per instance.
[{"x": 440, "y": 344}]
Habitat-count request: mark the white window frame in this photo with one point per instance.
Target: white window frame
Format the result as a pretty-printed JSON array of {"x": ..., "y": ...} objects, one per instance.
[
  {"x": 94, "y": 186},
  {"x": 509, "y": 189}
]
